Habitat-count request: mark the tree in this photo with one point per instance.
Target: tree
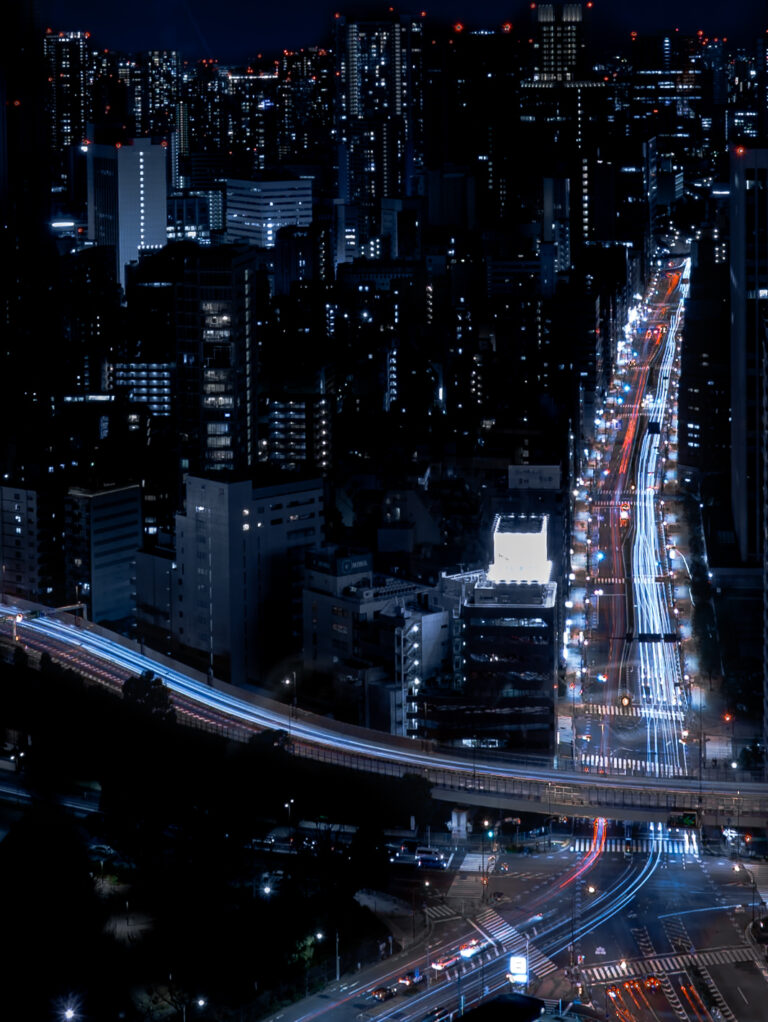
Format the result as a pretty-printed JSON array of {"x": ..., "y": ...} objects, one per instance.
[{"x": 150, "y": 696}]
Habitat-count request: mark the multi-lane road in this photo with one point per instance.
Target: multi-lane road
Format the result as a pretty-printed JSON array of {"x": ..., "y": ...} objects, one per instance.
[{"x": 631, "y": 622}]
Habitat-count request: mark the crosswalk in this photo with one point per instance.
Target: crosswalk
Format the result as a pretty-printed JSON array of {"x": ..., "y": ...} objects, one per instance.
[
  {"x": 668, "y": 964},
  {"x": 640, "y": 710},
  {"x": 467, "y": 886},
  {"x": 440, "y": 912},
  {"x": 618, "y": 764},
  {"x": 500, "y": 931},
  {"x": 671, "y": 845},
  {"x": 476, "y": 862}
]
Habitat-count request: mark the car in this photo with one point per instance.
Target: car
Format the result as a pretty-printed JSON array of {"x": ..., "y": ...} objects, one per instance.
[
  {"x": 429, "y": 862},
  {"x": 102, "y": 852},
  {"x": 613, "y": 992},
  {"x": 446, "y": 961},
  {"x": 652, "y": 983},
  {"x": 383, "y": 993},
  {"x": 472, "y": 948},
  {"x": 412, "y": 979}
]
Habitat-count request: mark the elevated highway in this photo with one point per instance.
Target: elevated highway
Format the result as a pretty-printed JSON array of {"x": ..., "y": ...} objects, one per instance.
[{"x": 506, "y": 782}]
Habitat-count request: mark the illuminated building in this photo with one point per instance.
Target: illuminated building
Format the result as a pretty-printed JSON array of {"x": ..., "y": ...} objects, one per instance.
[
  {"x": 145, "y": 383},
  {"x": 220, "y": 306},
  {"x": 297, "y": 432},
  {"x": 127, "y": 198},
  {"x": 379, "y": 124},
  {"x": 504, "y": 639},
  {"x": 240, "y": 548},
  {"x": 559, "y": 41},
  {"x": 256, "y": 210},
  {"x": 67, "y": 55}
]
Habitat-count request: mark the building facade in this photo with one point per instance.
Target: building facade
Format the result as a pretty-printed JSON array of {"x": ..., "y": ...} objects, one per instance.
[{"x": 240, "y": 550}]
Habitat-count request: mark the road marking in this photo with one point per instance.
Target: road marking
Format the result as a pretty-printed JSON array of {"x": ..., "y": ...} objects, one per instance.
[{"x": 742, "y": 994}]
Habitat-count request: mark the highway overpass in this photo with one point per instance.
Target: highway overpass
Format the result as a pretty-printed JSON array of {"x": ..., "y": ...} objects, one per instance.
[{"x": 484, "y": 779}]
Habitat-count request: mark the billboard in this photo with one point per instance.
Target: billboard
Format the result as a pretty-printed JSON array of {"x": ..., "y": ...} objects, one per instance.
[{"x": 518, "y": 969}]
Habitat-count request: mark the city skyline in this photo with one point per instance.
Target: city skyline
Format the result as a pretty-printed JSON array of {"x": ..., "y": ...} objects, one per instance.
[
  {"x": 383, "y": 512},
  {"x": 237, "y": 30}
]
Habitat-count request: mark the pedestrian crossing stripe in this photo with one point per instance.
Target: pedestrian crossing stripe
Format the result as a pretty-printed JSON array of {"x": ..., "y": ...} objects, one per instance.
[
  {"x": 640, "y": 765},
  {"x": 474, "y": 861},
  {"x": 668, "y": 964},
  {"x": 441, "y": 912},
  {"x": 641, "y": 710},
  {"x": 500, "y": 931},
  {"x": 674, "y": 846}
]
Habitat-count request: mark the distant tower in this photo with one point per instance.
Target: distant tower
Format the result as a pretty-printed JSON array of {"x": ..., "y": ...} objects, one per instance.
[
  {"x": 127, "y": 198},
  {"x": 379, "y": 120},
  {"x": 67, "y": 57},
  {"x": 559, "y": 30}
]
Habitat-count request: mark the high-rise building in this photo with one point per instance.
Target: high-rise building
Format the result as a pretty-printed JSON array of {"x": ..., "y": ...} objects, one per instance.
[
  {"x": 104, "y": 533},
  {"x": 67, "y": 55},
  {"x": 156, "y": 92},
  {"x": 240, "y": 550},
  {"x": 505, "y": 645},
  {"x": 127, "y": 198},
  {"x": 749, "y": 307},
  {"x": 256, "y": 210},
  {"x": 221, "y": 304},
  {"x": 379, "y": 121},
  {"x": 559, "y": 43}
]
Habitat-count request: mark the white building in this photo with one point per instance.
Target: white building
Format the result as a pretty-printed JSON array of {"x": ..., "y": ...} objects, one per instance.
[
  {"x": 127, "y": 198},
  {"x": 256, "y": 210}
]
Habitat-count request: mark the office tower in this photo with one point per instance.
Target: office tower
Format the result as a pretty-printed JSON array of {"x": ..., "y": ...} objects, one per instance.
[
  {"x": 256, "y": 210},
  {"x": 559, "y": 41},
  {"x": 127, "y": 198},
  {"x": 156, "y": 91},
  {"x": 221, "y": 305},
  {"x": 304, "y": 104},
  {"x": 749, "y": 306},
  {"x": 704, "y": 395},
  {"x": 103, "y": 528},
  {"x": 240, "y": 549},
  {"x": 379, "y": 123},
  {"x": 90, "y": 312},
  {"x": 67, "y": 55}
]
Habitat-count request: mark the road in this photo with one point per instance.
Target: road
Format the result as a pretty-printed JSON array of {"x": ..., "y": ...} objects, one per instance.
[{"x": 633, "y": 660}]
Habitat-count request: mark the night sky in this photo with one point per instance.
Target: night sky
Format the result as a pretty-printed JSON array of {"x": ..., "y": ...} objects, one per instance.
[{"x": 237, "y": 29}]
